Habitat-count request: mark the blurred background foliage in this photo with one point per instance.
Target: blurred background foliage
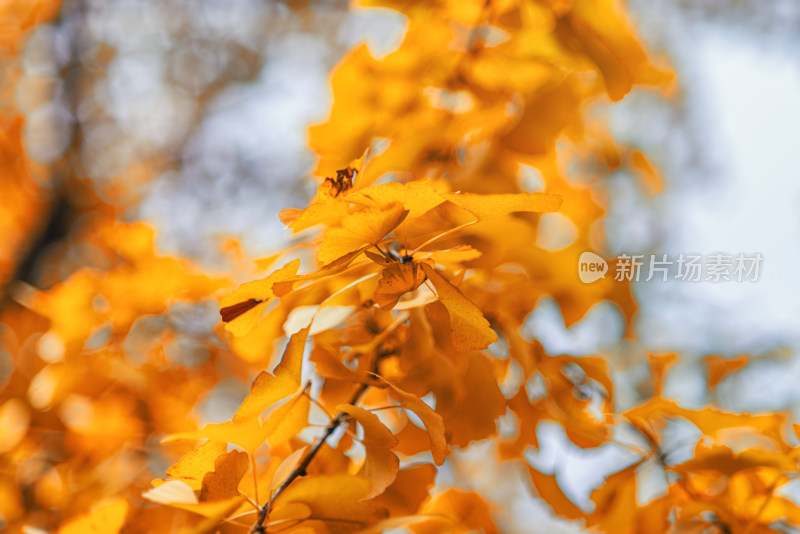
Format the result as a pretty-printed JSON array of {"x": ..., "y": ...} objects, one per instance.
[{"x": 193, "y": 118}]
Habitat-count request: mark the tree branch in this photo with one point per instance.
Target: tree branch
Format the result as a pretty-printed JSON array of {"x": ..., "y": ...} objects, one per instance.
[{"x": 300, "y": 470}]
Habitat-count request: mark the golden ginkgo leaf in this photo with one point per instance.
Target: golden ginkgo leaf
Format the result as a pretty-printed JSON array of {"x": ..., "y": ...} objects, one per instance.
[
  {"x": 469, "y": 328},
  {"x": 192, "y": 467},
  {"x": 396, "y": 280},
  {"x": 432, "y": 421},
  {"x": 242, "y": 308},
  {"x": 105, "y": 519},
  {"x": 381, "y": 464},
  {"x": 269, "y": 388},
  {"x": 363, "y": 227}
]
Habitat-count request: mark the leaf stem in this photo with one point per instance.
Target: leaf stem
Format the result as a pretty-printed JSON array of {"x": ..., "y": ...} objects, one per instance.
[{"x": 439, "y": 236}]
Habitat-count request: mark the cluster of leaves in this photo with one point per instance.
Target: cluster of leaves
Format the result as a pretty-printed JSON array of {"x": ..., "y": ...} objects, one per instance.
[
  {"x": 94, "y": 366},
  {"x": 403, "y": 299}
]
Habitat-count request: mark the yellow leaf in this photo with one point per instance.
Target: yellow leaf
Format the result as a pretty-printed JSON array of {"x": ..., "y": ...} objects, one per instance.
[
  {"x": 408, "y": 491},
  {"x": 721, "y": 459},
  {"x": 267, "y": 389},
  {"x": 223, "y": 482},
  {"x": 247, "y": 433},
  {"x": 550, "y": 491},
  {"x": 396, "y": 280},
  {"x": 659, "y": 365},
  {"x": 325, "y": 210},
  {"x": 316, "y": 317},
  {"x": 546, "y": 114},
  {"x": 381, "y": 465},
  {"x": 242, "y": 308},
  {"x": 719, "y": 367},
  {"x": 469, "y": 328},
  {"x": 337, "y": 500},
  {"x": 606, "y": 38},
  {"x": 287, "y": 421},
  {"x": 193, "y": 467},
  {"x": 106, "y": 519},
  {"x": 331, "y": 203},
  {"x": 472, "y": 414},
  {"x": 416, "y": 197},
  {"x": 213, "y": 510},
  {"x": 432, "y": 421},
  {"x": 286, "y": 467},
  {"x": 364, "y": 227},
  {"x": 466, "y": 510},
  {"x": 710, "y": 421},
  {"x": 171, "y": 492},
  {"x": 292, "y": 511},
  {"x": 615, "y": 503},
  {"x": 335, "y": 267}
]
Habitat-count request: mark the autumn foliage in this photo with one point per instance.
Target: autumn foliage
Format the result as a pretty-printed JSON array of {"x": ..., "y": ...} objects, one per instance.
[{"x": 390, "y": 336}]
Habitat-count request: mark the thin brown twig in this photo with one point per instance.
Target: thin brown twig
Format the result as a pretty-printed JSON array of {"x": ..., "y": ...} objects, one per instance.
[
  {"x": 319, "y": 405},
  {"x": 300, "y": 470},
  {"x": 387, "y": 407}
]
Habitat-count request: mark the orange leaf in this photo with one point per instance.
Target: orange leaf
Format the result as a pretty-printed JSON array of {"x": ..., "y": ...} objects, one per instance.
[
  {"x": 193, "y": 467},
  {"x": 721, "y": 459},
  {"x": 286, "y": 467},
  {"x": 287, "y": 421},
  {"x": 615, "y": 504},
  {"x": 286, "y": 285},
  {"x": 267, "y": 389},
  {"x": 223, "y": 482},
  {"x": 710, "y": 421},
  {"x": 178, "y": 495},
  {"x": 549, "y": 490},
  {"x": 241, "y": 309},
  {"x": 381, "y": 465},
  {"x": 408, "y": 491},
  {"x": 468, "y": 327},
  {"x": 472, "y": 413},
  {"x": 329, "y": 205},
  {"x": 332, "y": 498},
  {"x": 464, "y": 509},
  {"x": 396, "y": 280},
  {"x": 247, "y": 433},
  {"x": 171, "y": 492},
  {"x": 432, "y": 421},
  {"x": 659, "y": 364},
  {"x": 719, "y": 367},
  {"x": 365, "y": 227},
  {"x": 647, "y": 172},
  {"x": 106, "y": 519},
  {"x": 417, "y": 197}
]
